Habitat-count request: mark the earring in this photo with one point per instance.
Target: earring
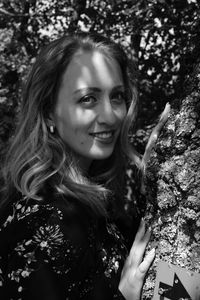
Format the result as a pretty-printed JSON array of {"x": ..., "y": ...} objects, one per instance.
[{"x": 51, "y": 128}]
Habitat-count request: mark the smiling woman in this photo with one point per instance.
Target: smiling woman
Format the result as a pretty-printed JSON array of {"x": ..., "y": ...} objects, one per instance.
[{"x": 64, "y": 179}]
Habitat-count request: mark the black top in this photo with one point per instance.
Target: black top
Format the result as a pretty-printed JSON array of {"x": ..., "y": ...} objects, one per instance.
[{"x": 56, "y": 250}]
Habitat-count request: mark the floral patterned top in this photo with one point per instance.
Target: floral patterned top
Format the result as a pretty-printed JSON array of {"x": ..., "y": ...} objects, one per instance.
[{"x": 57, "y": 251}]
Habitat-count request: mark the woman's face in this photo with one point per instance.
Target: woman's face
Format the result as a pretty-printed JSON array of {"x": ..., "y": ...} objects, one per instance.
[{"x": 90, "y": 106}]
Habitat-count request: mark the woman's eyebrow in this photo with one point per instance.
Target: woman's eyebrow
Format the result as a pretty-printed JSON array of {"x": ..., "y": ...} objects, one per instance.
[
  {"x": 96, "y": 89},
  {"x": 118, "y": 87},
  {"x": 87, "y": 89}
]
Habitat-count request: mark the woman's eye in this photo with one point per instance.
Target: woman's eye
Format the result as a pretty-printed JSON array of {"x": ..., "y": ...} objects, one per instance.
[
  {"x": 118, "y": 97},
  {"x": 88, "y": 100}
]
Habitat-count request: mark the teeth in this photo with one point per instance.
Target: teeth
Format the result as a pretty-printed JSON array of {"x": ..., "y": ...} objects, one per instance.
[{"x": 103, "y": 135}]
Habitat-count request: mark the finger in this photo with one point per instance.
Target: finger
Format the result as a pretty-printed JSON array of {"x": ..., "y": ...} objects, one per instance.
[
  {"x": 138, "y": 238},
  {"x": 137, "y": 276},
  {"x": 138, "y": 248},
  {"x": 140, "y": 232},
  {"x": 140, "y": 244},
  {"x": 145, "y": 265}
]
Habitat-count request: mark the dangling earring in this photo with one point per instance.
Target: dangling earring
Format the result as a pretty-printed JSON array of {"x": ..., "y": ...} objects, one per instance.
[{"x": 51, "y": 128}]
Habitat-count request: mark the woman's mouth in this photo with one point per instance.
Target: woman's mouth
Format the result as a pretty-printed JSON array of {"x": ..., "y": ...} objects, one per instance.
[{"x": 106, "y": 137}]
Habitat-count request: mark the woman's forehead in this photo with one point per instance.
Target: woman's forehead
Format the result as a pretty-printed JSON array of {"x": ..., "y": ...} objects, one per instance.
[{"x": 92, "y": 68}]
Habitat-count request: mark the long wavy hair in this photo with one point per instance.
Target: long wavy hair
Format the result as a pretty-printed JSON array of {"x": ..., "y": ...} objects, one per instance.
[{"x": 37, "y": 156}]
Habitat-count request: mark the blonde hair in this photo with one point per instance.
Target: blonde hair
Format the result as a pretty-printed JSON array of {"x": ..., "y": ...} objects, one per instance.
[{"x": 36, "y": 156}]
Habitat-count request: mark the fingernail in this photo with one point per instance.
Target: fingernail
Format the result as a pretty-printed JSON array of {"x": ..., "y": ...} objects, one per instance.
[
  {"x": 142, "y": 221},
  {"x": 152, "y": 251}
]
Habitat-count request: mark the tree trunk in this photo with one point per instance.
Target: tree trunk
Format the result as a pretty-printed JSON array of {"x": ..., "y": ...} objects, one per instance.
[{"x": 173, "y": 187}]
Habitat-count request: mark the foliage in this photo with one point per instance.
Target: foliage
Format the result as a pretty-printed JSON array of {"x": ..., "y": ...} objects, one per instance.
[{"x": 161, "y": 36}]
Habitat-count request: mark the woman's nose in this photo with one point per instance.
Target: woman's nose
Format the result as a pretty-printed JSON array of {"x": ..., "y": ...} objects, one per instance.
[{"x": 106, "y": 113}]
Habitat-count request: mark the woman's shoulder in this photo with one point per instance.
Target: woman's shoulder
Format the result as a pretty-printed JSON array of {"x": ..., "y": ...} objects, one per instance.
[
  {"x": 54, "y": 217},
  {"x": 46, "y": 202}
]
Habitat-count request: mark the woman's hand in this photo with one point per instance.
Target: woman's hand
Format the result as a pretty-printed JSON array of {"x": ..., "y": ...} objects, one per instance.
[{"x": 134, "y": 270}]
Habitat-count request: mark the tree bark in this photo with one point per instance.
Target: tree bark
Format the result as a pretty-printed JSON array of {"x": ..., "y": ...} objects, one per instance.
[{"x": 172, "y": 186}]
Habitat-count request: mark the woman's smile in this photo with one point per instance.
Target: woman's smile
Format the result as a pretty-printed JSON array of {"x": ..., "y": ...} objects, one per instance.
[{"x": 104, "y": 136}]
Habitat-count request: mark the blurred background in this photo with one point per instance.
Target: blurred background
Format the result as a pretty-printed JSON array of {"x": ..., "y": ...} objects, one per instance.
[{"x": 161, "y": 36}]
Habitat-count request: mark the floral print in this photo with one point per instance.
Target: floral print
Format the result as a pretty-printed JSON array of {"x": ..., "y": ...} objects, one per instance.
[{"x": 51, "y": 250}]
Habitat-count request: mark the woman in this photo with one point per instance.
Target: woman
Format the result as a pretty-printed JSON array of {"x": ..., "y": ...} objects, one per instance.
[{"x": 64, "y": 178}]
